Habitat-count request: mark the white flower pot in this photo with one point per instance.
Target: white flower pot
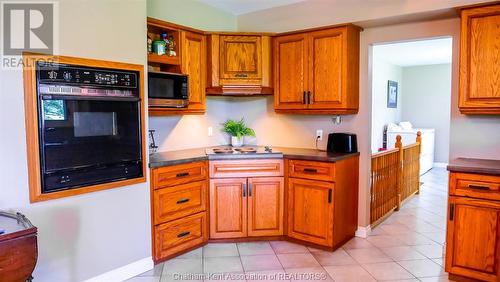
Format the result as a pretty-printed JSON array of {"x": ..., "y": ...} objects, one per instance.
[{"x": 236, "y": 142}]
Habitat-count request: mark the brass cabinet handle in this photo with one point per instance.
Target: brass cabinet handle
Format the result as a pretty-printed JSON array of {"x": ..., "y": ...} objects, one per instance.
[
  {"x": 183, "y": 234},
  {"x": 478, "y": 187},
  {"x": 182, "y": 201},
  {"x": 182, "y": 174},
  {"x": 311, "y": 170}
]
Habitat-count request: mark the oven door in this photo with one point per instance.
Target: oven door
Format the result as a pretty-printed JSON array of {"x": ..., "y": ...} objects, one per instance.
[{"x": 90, "y": 136}]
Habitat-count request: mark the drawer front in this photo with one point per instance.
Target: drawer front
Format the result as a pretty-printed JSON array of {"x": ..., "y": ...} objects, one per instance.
[
  {"x": 179, "y": 235},
  {"x": 475, "y": 186},
  {"x": 179, "y": 174},
  {"x": 311, "y": 170},
  {"x": 246, "y": 168},
  {"x": 175, "y": 202}
]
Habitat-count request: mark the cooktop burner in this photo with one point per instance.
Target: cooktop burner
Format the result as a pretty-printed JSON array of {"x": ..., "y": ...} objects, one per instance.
[{"x": 223, "y": 152}]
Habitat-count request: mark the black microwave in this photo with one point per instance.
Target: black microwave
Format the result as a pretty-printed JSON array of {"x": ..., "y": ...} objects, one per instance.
[{"x": 167, "y": 90}]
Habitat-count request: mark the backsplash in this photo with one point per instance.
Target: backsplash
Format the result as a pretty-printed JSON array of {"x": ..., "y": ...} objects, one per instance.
[{"x": 191, "y": 131}]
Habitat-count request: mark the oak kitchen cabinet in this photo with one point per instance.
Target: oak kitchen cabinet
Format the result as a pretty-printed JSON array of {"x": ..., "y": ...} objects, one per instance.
[
  {"x": 191, "y": 59},
  {"x": 239, "y": 64},
  {"x": 480, "y": 60},
  {"x": 322, "y": 201},
  {"x": 317, "y": 72},
  {"x": 473, "y": 205},
  {"x": 246, "y": 198},
  {"x": 179, "y": 200}
]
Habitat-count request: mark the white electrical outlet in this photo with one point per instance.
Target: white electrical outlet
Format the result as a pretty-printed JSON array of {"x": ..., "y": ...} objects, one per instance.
[
  {"x": 210, "y": 131},
  {"x": 319, "y": 134}
]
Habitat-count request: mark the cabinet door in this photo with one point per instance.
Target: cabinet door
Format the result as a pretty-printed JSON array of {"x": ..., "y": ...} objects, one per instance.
[
  {"x": 480, "y": 61},
  {"x": 290, "y": 71},
  {"x": 228, "y": 208},
  {"x": 265, "y": 206},
  {"x": 194, "y": 65},
  {"x": 241, "y": 58},
  {"x": 473, "y": 238},
  {"x": 327, "y": 53},
  {"x": 310, "y": 211}
]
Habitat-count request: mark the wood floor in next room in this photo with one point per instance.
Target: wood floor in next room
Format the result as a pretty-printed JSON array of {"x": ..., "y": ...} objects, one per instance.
[{"x": 408, "y": 246}]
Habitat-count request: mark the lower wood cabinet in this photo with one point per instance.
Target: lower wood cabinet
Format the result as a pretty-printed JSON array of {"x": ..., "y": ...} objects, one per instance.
[
  {"x": 473, "y": 239},
  {"x": 241, "y": 207},
  {"x": 310, "y": 211},
  {"x": 180, "y": 235}
]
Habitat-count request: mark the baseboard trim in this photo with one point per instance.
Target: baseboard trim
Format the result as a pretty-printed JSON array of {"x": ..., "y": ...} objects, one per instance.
[
  {"x": 363, "y": 232},
  {"x": 444, "y": 165},
  {"x": 125, "y": 272}
]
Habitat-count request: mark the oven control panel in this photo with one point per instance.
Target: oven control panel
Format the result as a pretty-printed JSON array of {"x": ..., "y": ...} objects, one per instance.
[{"x": 86, "y": 76}]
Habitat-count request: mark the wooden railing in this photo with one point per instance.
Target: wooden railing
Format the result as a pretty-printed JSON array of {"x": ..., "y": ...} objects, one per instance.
[{"x": 394, "y": 178}]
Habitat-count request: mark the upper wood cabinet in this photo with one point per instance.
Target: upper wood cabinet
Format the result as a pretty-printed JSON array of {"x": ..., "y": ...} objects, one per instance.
[
  {"x": 317, "y": 72},
  {"x": 472, "y": 245},
  {"x": 193, "y": 60},
  {"x": 480, "y": 61},
  {"x": 239, "y": 64}
]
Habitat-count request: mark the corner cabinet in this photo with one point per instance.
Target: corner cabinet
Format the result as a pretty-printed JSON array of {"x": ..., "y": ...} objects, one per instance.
[
  {"x": 480, "y": 61},
  {"x": 317, "y": 72},
  {"x": 239, "y": 64}
]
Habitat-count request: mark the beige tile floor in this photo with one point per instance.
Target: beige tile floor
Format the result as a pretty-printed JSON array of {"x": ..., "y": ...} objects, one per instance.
[{"x": 408, "y": 246}]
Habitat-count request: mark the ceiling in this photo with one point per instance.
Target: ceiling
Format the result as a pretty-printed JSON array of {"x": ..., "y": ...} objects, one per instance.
[
  {"x": 239, "y": 7},
  {"x": 415, "y": 53}
]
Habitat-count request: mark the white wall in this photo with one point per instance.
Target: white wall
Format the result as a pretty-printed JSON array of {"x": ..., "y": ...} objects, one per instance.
[
  {"x": 381, "y": 114},
  {"x": 427, "y": 102},
  {"x": 82, "y": 236}
]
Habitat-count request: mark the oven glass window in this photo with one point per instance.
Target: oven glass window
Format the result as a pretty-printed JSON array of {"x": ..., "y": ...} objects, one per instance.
[{"x": 87, "y": 124}]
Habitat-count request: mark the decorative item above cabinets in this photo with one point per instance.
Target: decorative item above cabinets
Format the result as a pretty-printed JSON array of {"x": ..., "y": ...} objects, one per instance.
[
  {"x": 317, "y": 71},
  {"x": 480, "y": 61},
  {"x": 239, "y": 64}
]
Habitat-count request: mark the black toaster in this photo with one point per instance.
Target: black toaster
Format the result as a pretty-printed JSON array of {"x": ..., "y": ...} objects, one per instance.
[{"x": 342, "y": 143}]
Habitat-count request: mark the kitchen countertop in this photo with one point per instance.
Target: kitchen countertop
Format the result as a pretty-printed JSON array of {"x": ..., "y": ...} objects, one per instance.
[
  {"x": 481, "y": 166},
  {"x": 160, "y": 159}
]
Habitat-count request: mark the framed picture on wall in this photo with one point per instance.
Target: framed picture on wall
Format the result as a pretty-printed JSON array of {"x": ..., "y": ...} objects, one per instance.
[{"x": 392, "y": 94}]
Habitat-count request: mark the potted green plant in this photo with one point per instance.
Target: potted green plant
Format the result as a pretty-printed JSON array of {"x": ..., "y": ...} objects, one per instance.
[{"x": 237, "y": 130}]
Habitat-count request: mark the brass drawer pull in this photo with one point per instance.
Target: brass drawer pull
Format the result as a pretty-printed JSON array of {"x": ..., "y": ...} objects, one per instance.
[
  {"x": 182, "y": 201},
  {"x": 241, "y": 75},
  {"x": 311, "y": 170},
  {"x": 478, "y": 187},
  {"x": 183, "y": 234},
  {"x": 182, "y": 174}
]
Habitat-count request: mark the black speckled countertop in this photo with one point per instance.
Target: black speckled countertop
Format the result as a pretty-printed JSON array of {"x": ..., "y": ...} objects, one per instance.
[
  {"x": 480, "y": 166},
  {"x": 160, "y": 159}
]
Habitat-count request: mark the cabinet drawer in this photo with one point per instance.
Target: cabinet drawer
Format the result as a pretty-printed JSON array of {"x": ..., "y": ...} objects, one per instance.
[
  {"x": 475, "y": 186},
  {"x": 179, "y": 235},
  {"x": 311, "y": 170},
  {"x": 246, "y": 168},
  {"x": 175, "y": 202},
  {"x": 179, "y": 174}
]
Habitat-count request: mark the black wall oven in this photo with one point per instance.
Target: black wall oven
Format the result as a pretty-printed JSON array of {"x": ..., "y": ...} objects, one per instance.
[{"x": 89, "y": 126}]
